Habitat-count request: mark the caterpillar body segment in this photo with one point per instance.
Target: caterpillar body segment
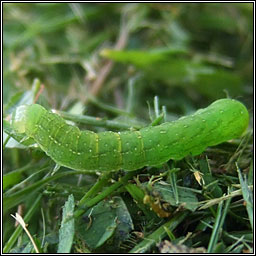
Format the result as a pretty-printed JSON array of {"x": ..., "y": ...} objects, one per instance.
[{"x": 66, "y": 144}]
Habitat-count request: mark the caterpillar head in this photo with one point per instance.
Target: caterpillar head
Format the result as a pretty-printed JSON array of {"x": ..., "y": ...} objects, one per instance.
[
  {"x": 18, "y": 120},
  {"x": 25, "y": 118}
]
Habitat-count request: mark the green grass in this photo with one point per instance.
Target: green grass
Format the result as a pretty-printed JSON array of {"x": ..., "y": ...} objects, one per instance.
[{"x": 112, "y": 67}]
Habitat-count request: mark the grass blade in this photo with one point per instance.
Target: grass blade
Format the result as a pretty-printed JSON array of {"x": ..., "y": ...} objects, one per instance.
[{"x": 67, "y": 229}]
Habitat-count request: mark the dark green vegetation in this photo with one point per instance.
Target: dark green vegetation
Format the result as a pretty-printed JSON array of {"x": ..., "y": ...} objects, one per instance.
[{"x": 118, "y": 67}]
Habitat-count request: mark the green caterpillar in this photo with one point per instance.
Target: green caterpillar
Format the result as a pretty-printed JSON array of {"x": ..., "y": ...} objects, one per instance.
[{"x": 223, "y": 120}]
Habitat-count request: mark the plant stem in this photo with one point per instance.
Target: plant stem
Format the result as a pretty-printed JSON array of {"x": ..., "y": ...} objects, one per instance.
[
  {"x": 95, "y": 121},
  {"x": 102, "y": 195}
]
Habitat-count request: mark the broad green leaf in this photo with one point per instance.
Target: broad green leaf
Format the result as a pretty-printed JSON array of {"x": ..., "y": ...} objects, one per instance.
[
  {"x": 104, "y": 220},
  {"x": 98, "y": 224},
  {"x": 186, "y": 197},
  {"x": 125, "y": 224}
]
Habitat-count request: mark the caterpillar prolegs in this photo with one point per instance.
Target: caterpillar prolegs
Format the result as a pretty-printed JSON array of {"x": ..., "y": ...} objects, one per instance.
[{"x": 68, "y": 146}]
